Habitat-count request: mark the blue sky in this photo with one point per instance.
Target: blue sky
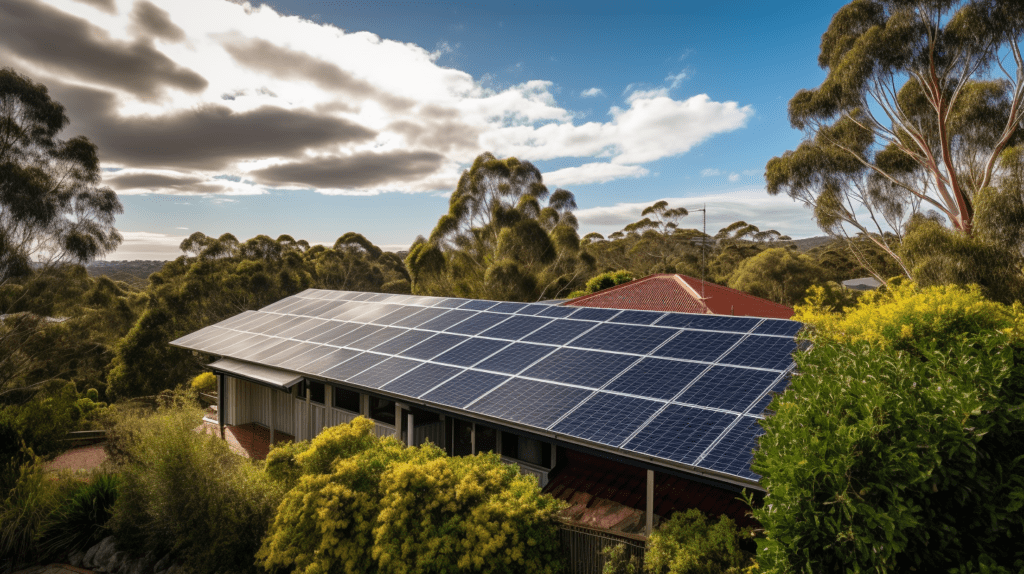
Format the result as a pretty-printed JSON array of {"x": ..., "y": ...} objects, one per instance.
[{"x": 315, "y": 118}]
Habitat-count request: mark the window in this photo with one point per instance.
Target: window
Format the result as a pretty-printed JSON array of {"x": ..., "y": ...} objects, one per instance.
[
  {"x": 346, "y": 399},
  {"x": 316, "y": 391},
  {"x": 463, "y": 438},
  {"x": 486, "y": 439},
  {"x": 509, "y": 445},
  {"x": 525, "y": 449},
  {"x": 382, "y": 410}
]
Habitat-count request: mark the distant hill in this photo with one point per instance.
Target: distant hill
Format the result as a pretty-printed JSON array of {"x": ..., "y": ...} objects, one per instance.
[
  {"x": 809, "y": 243},
  {"x": 135, "y": 273}
]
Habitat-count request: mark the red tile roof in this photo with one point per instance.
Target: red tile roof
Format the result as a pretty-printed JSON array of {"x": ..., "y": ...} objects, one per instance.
[
  {"x": 681, "y": 293},
  {"x": 607, "y": 494}
]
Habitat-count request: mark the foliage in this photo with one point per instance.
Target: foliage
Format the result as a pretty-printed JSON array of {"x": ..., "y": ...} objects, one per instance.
[
  {"x": 281, "y": 465},
  {"x": 25, "y": 508},
  {"x": 899, "y": 444},
  {"x": 49, "y": 203},
  {"x": 363, "y": 504},
  {"x": 204, "y": 382},
  {"x": 187, "y": 493},
  {"x": 951, "y": 111},
  {"x": 81, "y": 520},
  {"x": 688, "y": 543},
  {"x": 603, "y": 281},
  {"x": 618, "y": 561},
  {"x": 497, "y": 242},
  {"x": 777, "y": 274}
]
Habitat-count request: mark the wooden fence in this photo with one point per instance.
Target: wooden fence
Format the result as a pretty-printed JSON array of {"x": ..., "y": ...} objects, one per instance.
[{"x": 583, "y": 547}]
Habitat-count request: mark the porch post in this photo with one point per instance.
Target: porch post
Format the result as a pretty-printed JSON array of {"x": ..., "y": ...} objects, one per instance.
[
  {"x": 309, "y": 411},
  {"x": 650, "y": 503},
  {"x": 272, "y": 409},
  {"x": 409, "y": 423},
  {"x": 472, "y": 439},
  {"x": 398, "y": 420},
  {"x": 220, "y": 403}
]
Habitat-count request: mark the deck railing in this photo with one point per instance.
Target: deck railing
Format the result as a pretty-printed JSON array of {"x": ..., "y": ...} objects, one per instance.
[{"x": 583, "y": 547}]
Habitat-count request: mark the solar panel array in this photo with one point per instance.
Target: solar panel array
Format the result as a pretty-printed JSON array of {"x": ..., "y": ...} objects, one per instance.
[{"x": 681, "y": 387}]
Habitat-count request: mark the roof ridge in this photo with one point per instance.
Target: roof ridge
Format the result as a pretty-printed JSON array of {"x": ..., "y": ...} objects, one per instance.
[
  {"x": 738, "y": 292},
  {"x": 609, "y": 289},
  {"x": 693, "y": 292}
]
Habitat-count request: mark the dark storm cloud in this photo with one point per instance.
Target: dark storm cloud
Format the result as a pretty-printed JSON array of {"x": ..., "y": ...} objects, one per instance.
[
  {"x": 149, "y": 181},
  {"x": 59, "y": 41},
  {"x": 105, "y": 5},
  {"x": 153, "y": 21},
  {"x": 287, "y": 64},
  {"x": 209, "y": 137},
  {"x": 365, "y": 169}
]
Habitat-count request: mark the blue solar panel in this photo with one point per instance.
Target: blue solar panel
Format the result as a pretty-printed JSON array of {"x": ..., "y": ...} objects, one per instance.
[
  {"x": 334, "y": 332},
  {"x": 559, "y": 332},
  {"x": 377, "y": 312},
  {"x": 464, "y": 388},
  {"x": 657, "y": 378},
  {"x": 586, "y": 368},
  {"x": 623, "y": 338},
  {"x": 267, "y": 352},
  {"x": 421, "y": 379},
  {"x": 529, "y": 402},
  {"x": 308, "y": 334},
  {"x": 477, "y": 323},
  {"x": 593, "y": 314},
  {"x": 515, "y": 327},
  {"x": 360, "y": 362},
  {"x": 299, "y": 359},
  {"x": 470, "y": 352},
  {"x": 383, "y": 372},
  {"x": 779, "y": 327},
  {"x": 514, "y": 358},
  {"x": 417, "y": 319},
  {"x": 224, "y": 340},
  {"x": 447, "y": 320},
  {"x": 301, "y": 328},
  {"x": 734, "y": 452},
  {"x": 637, "y": 317},
  {"x": 396, "y": 315},
  {"x": 762, "y": 405},
  {"x": 477, "y": 305},
  {"x": 507, "y": 307},
  {"x": 531, "y": 309},
  {"x": 709, "y": 322},
  {"x": 325, "y": 361},
  {"x": 698, "y": 345},
  {"x": 607, "y": 419},
  {"x": 556, "y": 311},
  {"x": 762, "y": 352},
  {"x": 370, "y": 341},
  {"x": 680, "y": 433},
  {"x": 402, "y": 342},
  {"x": 278, "y": 359},
  {"x": 356, "y": 310},
  {"x": 728, "y": 388},
  {"x": 449, "y": 303},
  {"x": 354, "y": 335},
  {"x": 256, "y": 347},
  {"x": 433, "y": 346}
]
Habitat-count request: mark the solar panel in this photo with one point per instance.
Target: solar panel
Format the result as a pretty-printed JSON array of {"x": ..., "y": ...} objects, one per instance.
[
  {"x": 664, "y": 385},
  {"x": 607, "y": 419}
]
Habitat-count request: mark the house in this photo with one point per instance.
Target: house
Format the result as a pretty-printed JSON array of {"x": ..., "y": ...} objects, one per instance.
[
  {"x": 682, "y": 294},
  {"x": 666, "y": 403}
]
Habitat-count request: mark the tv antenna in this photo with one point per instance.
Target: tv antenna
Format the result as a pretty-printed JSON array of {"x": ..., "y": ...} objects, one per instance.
[{"x": 703, "y": 241}]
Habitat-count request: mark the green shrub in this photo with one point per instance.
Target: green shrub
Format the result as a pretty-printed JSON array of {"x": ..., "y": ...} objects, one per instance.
[
  {"x": 204, "y": 382},
  {"x": 899, "y": 445},
  {"x": 26, "y": 507},
  {"x": 618, "y": 561},
  {"x": 81, "y": 520},
  {"x": 687, "y": 543},
  {"x": 186, "y": 492},
  {"x": 365, "y": 504},
  {"x": 281, "y": 465}
]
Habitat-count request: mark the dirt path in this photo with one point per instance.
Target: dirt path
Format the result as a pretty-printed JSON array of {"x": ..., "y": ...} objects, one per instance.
[{"x": 83, "y": 458}]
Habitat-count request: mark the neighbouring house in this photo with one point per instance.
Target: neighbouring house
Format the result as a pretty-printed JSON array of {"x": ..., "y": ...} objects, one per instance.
[
  {"x": 682, "y": 294},
  {"x": 862, "y": 284},
  {"x": 627, "y": 414}
]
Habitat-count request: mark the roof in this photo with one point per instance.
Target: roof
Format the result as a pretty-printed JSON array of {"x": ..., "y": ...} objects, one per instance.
[
  {"x": 682, "y": 294},
  {"x": 862, "y": 283},
  {"x": 258, "y": 373}
]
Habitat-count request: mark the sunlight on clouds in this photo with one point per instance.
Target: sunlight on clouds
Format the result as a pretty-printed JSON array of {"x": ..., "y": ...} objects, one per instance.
[{"x": 592, "y": 173}]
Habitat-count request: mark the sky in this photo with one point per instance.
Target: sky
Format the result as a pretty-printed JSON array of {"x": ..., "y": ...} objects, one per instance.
[{"x": 315, "y": 118}]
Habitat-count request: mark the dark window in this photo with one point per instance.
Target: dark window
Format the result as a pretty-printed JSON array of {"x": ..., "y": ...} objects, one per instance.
[
  {"x": 532, "y": 451},
  {"x": 510, "y": 445},
  {"x": 486, "y": 439},
  {"x": 316, "y": 392},
  {"x": 382, "y": 410},
  {"x": 463, "y": 438},
  {"x": 346, "y": 399}
]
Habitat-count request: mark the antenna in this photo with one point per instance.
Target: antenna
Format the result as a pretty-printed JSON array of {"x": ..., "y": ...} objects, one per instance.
[{"x": 703, "y": 241}]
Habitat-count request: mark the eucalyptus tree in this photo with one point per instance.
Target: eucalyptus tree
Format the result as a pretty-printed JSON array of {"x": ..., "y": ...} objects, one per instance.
[
  {"x": 920, "y": 104},
  {"x": 499, "y": 241},
  {"x": 51, "y": 208}
]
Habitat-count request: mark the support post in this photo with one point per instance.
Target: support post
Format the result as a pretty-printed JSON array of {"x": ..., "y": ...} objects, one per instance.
[
  {"x": 409, "y": 440},
  {"x": 309, "y": 411},
  {"x": 472, "y": 439},
  {"x": 272, "y": 409},
  {"x": 221, "y": 384},
  {"x": 650, "y": 503},
  {"x": 398, "y": 421},
  {"x": 554, "y": 455}
]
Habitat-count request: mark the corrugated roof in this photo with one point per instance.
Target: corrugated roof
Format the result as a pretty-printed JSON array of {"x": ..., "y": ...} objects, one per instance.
[
  {"x": 682, "y": 294},
  {"x": 268, "y": 375}
]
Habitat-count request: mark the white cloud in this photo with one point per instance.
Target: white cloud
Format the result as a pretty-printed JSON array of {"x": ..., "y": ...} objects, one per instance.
[
  {"x": 676, "y": 79},
  {"x": 708, "y": 172},
  {"x": 592, "y": 173},
  {"x": 752, "y": 205},
  {"x": 592, "y": 93},
  {"x": 148, "y": 246},
  {"x": 734, "y": 177},
  {"x": 316, "y": 93}
]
